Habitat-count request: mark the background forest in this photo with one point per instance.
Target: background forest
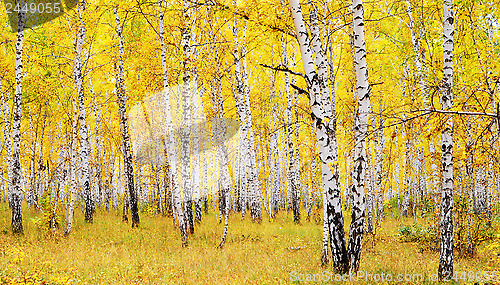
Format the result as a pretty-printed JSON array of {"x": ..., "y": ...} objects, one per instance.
[{"x": 194, "y": 141}]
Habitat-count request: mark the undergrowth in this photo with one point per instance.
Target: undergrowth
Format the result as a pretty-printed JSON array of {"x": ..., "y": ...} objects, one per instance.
[{"x": 108, "y": 251}]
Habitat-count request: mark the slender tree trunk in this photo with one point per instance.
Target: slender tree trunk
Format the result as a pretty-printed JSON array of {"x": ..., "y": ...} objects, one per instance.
[
  {"x": 407, "y": 179},
  {"x": 396, "y": 170},
  {"x": 379, "y": 165},
  {"x": 16, "y": 195},
  {"x": 39, "y": 178},
  {"x": 73, "y": 185},
  {"x": 369, "y": 190},
  {"x": 291, "y": 177},
  {"x": 122, "y": 101},
  {"x": 176, "y": 195},
  {"x": 6, "y": 128},
  {"x": 363, "y": 95},
  {"x": 85, "y": 145},
  {"x": 418, "y": 58},
  {"x": 445, "y": 270},
  {"x": 469, "y": 186},
  {"x": 186, "y": 119},
  {"x": 313, "y": 191},
  {"x": 242, "y": 114},
  {"x": 196, "y": 152},
  {"x": 219, "y": 136},
  {"x": 98, "y": 148},
  {"x": 253, "y": 177}
]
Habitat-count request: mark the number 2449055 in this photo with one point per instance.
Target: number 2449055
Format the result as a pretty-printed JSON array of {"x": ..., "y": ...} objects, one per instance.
[{"x": 33, "y": 8}]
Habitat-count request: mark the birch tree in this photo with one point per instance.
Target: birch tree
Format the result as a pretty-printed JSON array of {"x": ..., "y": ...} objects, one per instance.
[
  {"x": 239, "y": 98},
  {"x": 169, "y": 134},
  {"x": 379, "y": 164},
  {"x": 6, "y": 128},
  {"x": 445, "y": 270},
  {"x": 186, "y": 117},
  {"x": 360, "y": 130},
  {"x": 16, "y": 195},
  {"x": 84, "y": 136},
  {"x": 291, "y": 177},
  {"x": 72, "y": 169},
  {"x": 127, "y": 154},
  {"x": 322, "y": 120},
  {"x": 196, "y": 152},
  {"x": 244, "y": 111},
  {"x": 220, "y": 135}
]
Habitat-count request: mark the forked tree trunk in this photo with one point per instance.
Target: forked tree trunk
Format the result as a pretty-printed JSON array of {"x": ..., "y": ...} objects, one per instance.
[{"x": 322, "y": 116}]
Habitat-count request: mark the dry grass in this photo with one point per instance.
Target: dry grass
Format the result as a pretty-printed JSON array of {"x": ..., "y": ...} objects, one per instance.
[{"x": 110, "y": 252}]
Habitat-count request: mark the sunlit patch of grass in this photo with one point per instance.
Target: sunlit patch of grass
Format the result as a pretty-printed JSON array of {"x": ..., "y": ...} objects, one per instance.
[{"x": 110, "y": 252}]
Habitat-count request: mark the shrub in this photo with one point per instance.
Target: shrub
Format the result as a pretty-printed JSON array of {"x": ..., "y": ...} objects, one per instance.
[
  {"x": 51, "y": 217},
  {"x": 424, "y": 236}
]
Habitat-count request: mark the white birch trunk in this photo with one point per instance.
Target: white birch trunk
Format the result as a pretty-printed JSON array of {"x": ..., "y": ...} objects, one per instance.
[
  {"x": 363, "y": 95},
  {"x": 85, "y": 145},
  {"x": 446, "y": 248},
  {"x": 15, "y": 192},
  {"x": 220, "y": 136},
  {"x": 72, "y": 169},
  {"x": 196, "y": 153},
  {"x": 241, "y": 109},
  {"x": 369, "y": 190},
  {"x": 325, "y": 130},
  {"x": 186, "y": 119},
  {"x": 418, "y": 58},
  {"x": 291, "y": 177},
  {"x": 396, "y": 170},
  {"x": 379, "y": 164},
  {"x": 127, "y": 153},
  {"x": 6, "y": 128},
  {"x": 407, "y": 177},
  {"x": 253, "y": 178},
  {"x": 169, "y": 134}
]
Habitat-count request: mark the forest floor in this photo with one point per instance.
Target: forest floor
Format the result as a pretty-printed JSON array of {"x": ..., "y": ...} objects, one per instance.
[{"x": 279, "y": 252}]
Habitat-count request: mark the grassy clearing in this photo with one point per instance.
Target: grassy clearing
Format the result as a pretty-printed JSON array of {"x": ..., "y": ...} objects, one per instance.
[{"x": 110, "y": 252}]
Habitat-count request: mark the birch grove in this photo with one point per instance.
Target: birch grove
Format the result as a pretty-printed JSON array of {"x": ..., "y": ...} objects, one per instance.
[{"x": 301, "y": 136}]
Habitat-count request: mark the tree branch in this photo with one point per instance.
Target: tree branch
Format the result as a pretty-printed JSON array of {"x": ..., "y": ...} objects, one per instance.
[{"x": 282, "y": 68}]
